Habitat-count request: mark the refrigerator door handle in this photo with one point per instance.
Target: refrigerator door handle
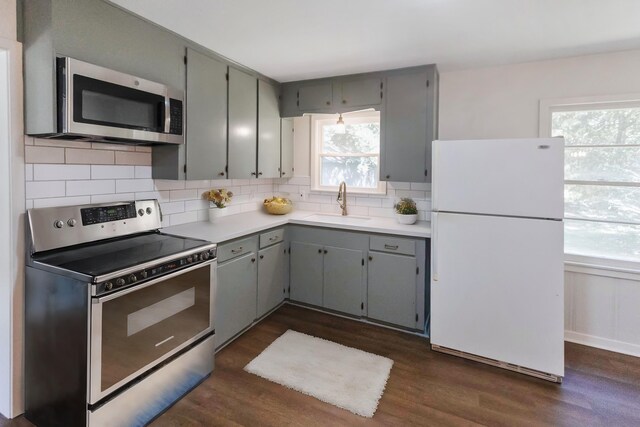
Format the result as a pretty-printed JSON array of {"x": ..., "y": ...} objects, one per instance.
[{"x": 434, "y": 246}]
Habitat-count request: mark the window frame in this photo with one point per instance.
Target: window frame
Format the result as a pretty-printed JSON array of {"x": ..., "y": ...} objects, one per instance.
[
  {"x": 317, "y": 120},
  {"x": 590, "y": 263}
]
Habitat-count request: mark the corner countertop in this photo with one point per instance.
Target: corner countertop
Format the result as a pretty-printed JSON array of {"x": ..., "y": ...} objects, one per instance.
[{"x": 239, "y": 225}]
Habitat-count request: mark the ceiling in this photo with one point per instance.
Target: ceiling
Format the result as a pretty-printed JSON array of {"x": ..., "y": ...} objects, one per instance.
[{"x": 301, "y": 39}]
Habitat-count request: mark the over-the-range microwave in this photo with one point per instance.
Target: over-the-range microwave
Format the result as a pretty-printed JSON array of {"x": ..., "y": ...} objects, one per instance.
[{"x": 98, "y": 104}]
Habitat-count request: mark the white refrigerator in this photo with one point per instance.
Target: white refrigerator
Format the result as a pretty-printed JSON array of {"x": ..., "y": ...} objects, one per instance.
[{"x": 497, "y": 273}]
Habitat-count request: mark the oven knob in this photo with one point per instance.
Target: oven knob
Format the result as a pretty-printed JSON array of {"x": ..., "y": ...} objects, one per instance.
[
  {"x": 189, "y": 259},
  {"x": 140, "y": 212},
  {"x": 58, "y": 224},
  {"x": 149, "y": 210},
  {"x": 119, "y": 281},
  {"x": 72, "y": 222},
  {"x": 133, "y": 278},
  {"x": 108, "y": 286},
  {"x": 144, "y": 274},
  {"x": 205, "y": 256}
]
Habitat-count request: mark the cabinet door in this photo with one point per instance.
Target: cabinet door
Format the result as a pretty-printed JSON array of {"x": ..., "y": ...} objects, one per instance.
[
  {"x": 236, "y": 296},
  {"x": 391, "y": 291},
  {"x": 405, "y": 145},
  {"x": 306, "y": 273},
  {"x": 270, "y": 278},
  {"x": 286, "y": 149},
  {"x": 243, "y": 119},
  {"x": 343, "y": 271},
  {"x": 268, "y": 131},
  {"x": 206, "y": 129},
  {"x": 315, "y": 97},
  {"x": 360, "y": 93}
]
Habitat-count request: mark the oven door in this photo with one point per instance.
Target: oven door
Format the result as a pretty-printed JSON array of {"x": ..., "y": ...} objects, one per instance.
[
  {"x": 136, "y": 329},
  {"x": 113, "y": 105}
]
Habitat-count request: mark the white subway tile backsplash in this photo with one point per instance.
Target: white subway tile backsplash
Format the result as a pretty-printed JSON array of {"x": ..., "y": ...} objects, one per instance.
[
  {"x": 43, "y": 189},
  {"x": 60, "y": 143},
  {"x": 61, "y": 201},
  {"x": 183, "y": 195},
  {"x": 33, "y": 154},
  {"x": 143, "y": 172},
  {"x": 164, "y": 184},
  {"x": 197, "y": 184},
  {"x": 399, "y": 185},
  {"x": 195, "y": 205},
  {"x": 116, "y": 197},
  {"x": 112, "y": 172},
  {"x": 169, "y": 208},
  {"x": 183, "y": 218},
  {"x": 43, "y": 172},
  {"x": 421, "y": 186},
  {"x": 88, "y": 188},
  {"x": 162, "y": 196},
  {"x": 133, "y": 185},
  {"x": 369, "y": 201},
  {"x": 115, "y": 147},
  {"x": 88, "y": 157},
  {"x": 133, "y": 158},
  {"x": 28, "y": 172}
]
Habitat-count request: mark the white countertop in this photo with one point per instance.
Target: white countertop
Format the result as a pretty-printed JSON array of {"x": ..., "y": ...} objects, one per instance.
[{"x": 234, "y": 226}]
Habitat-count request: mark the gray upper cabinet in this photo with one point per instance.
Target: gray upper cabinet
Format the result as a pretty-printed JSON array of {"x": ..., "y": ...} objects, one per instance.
[
  {"x": 358, "y": 93},
  {"x": 409, "y": 125},
  {"x": 315, "y": 97},
  {"x": 286, "y": 148},
  {"x": 243, "y": 119},
  {"x": 206, "y": 142},
  {"x": 268, "y": 131}
]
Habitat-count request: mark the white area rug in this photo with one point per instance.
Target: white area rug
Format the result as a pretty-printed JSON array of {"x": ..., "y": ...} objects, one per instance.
[{"x": 343, "y": 376}]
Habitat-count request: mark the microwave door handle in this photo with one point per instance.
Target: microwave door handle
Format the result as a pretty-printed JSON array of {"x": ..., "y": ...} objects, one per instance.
[{"x": 167, "y": 115}]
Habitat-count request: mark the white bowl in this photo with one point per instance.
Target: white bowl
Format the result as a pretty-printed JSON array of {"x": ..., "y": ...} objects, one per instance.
[{"x": 406, "y": 219}]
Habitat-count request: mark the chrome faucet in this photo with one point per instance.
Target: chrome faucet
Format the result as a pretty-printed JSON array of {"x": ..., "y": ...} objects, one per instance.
[{"x": 342, "y": 197}]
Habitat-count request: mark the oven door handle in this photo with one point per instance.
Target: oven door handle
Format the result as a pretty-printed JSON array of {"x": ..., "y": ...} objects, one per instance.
[{"x": 100, "y": 300}]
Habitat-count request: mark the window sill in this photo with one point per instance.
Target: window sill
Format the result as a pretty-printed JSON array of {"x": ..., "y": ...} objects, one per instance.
[
  {"x": 602, "y": 266},
  {"x": 350, "y": 190}
]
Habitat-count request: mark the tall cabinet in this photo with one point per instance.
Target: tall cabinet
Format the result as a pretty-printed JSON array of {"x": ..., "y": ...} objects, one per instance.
[
  {"x": 206, "y": 139},
  {"x": 268, "y": 131}
]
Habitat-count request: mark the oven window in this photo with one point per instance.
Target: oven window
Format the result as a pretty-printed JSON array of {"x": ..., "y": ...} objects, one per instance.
[
  {"x": 108, "y": 104},
  {"x": 140, "y": 327}
]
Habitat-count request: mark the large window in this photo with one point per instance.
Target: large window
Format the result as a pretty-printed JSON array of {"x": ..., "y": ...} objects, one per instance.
[
  {"x": 602, "y": 176},
  {"x": 348, "y": 152}
]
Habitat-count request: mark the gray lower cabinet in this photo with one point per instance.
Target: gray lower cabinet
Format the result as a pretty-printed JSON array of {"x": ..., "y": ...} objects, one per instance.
[
  {"x": 235, "y": 307},
  {"x": 391, "y": 290},
  {"x": 409, "y": 125},
  {"x": 306, "y": 273},
  {"x": 243, "y": 119},
  {"x": 206, "y": 143},
  {"x": 286, "y": 148},
  {"x": 343, "y": 275},
  {"x": 268, "y": 131},
  {"x": 271, "y": 276}
]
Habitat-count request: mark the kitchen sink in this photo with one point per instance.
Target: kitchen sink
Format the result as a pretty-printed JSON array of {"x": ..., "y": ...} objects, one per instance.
[{"x": 338, "y": 219}]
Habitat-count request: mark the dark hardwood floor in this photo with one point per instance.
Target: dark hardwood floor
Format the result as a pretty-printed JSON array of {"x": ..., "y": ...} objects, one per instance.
[{"x": 425, "y": 387}]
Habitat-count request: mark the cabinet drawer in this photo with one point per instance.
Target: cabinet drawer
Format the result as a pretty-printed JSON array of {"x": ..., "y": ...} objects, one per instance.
[
  {"x": 231, "y": 250},
  {"x": 394, "y": 245},
  {"x": 271, "y": 237}
]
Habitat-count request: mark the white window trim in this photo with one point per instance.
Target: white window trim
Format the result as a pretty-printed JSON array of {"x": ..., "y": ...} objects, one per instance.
[
  {"x": 316, "y": 138},
  {"x": 574, "y": 262}
]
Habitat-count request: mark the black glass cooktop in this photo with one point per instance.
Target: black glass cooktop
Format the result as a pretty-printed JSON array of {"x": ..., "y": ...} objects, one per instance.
[{"x": 97, "y": 259}]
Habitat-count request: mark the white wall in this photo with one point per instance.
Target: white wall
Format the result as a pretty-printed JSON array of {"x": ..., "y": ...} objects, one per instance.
[
  {"x": 503, "y": 102},
  {"x": 8, "y": 19}
]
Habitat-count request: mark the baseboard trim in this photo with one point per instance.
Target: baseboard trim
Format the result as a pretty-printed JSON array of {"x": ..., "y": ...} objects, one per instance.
[{"x": 603, "y": 343}]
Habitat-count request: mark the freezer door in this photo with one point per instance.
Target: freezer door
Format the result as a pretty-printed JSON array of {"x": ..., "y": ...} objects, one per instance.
[
  {"x": 497, "y": 289},
  {"x": 514, "y": 177}
]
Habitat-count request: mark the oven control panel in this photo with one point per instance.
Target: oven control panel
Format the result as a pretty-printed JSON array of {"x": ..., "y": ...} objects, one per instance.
[{"x": 144, "y": 275}]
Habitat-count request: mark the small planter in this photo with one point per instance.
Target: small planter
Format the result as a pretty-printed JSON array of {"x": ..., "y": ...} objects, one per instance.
[
  {"x": 215, "y": 213},
  {"x": 406, "y": 219}
]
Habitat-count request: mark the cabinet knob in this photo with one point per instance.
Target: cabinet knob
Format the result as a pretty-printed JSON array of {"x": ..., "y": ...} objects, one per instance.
[
  {"x": 370, "y": 258},
  {"x": 253, "y": 260},
  {"x": 319, "y": 251},
  {"x": 344, "y": 101},
  {"x": 221, "y": 174},
  {"x": 261, "y": 256},
  {"x": 328, "y": 102},
  {"x": 259, "y": 173},
  {"x": 325, "y": 251},
  {"x": 253, "y": 174},
  {"x": 284, "y": 173},
  {"x": 388, "y": 176}
]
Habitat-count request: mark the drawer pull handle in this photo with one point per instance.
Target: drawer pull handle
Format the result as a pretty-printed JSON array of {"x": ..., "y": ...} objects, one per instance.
[
  {"x": 165, "y": 340},
  {"x": 236, "y": 251},
  {"x": 271, "y": 239},
  {"x": 392, "y": 247}
]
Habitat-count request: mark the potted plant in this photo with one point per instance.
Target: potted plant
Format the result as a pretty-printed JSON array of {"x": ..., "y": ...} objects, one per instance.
[
  {"x": 218, "y": 199},
  {"x": 406, "y": 211}
]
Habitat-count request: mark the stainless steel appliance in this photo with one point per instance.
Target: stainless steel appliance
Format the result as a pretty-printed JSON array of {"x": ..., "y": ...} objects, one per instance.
[
  {"x": 98, "y": 104},
  {"x": 119, "y": 316}
]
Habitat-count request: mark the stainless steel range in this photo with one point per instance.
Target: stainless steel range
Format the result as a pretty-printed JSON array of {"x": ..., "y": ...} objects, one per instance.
[{"x": 119, "y": 316}]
